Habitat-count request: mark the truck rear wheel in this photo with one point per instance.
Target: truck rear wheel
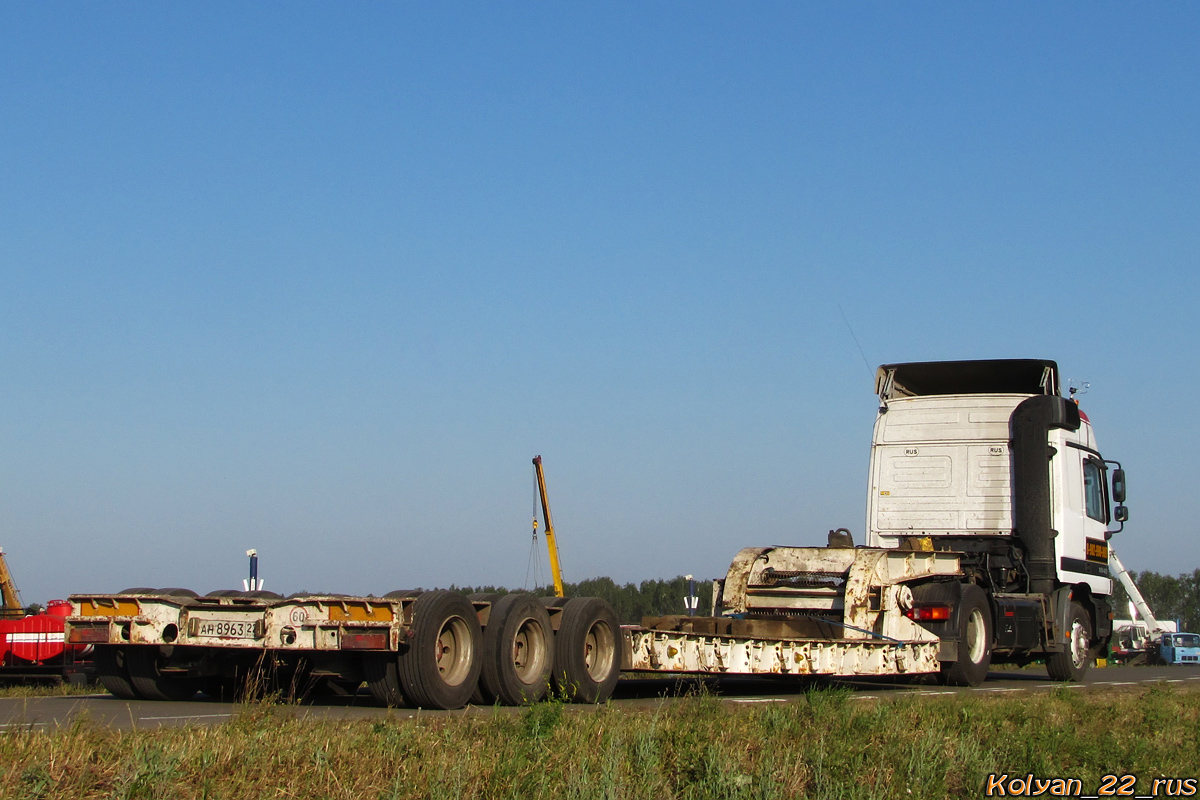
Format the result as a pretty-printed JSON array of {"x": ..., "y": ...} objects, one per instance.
[
  {"x": 1072, "y": 663},
  {"x": 518, "y": 651},
  {"x": 150, "y": 682},
  {"x": 587, "y": 650},
  {"x": 114, "y": 674},
  {"x": 440, "y": 668},
  {"x": 974, "y": 640}
]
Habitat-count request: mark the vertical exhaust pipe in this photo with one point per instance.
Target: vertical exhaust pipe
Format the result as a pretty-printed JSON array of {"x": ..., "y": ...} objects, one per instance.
[{"x": 1031, "y": 455}]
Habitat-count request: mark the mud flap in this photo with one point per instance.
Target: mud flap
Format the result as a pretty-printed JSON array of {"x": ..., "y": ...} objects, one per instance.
[{"x": 1060, "y": 610}]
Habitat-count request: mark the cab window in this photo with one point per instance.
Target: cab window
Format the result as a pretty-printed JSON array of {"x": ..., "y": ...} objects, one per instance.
[{"x": 1093, "y": 491}]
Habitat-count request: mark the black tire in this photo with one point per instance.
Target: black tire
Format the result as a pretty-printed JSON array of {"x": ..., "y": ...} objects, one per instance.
[
  {"x": 518, "y": 652},
  {"x": 974, "y": 640},
  {"x": 263, "y": 594},
  {"x": 396, "y": 594},
  {"x": 383, "y": 679},
  {"x": 113, "y": 672},
  {"x": 554, "y": 602},
  {"x": 478, "y": 697},
  {"x": 175, "y": 593},
  {"x": 225, "y": 593},
  {"x": 1073, "y": 662},
  {"x": 440, "y": 667},
  {"x": 149, "y": 682},
  {"x": 587, "y": 651},
  {"x": 138, "y": 590}
]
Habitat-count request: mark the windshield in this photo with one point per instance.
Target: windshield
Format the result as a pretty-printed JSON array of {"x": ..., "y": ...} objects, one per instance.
[{"x": 1187, "y": 640}]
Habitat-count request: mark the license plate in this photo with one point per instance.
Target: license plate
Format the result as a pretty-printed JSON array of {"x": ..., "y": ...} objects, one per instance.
[{"x": 225, "y": 628}]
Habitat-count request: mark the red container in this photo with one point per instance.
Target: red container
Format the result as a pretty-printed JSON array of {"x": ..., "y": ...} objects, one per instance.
[{"x": 38, "y": 639}]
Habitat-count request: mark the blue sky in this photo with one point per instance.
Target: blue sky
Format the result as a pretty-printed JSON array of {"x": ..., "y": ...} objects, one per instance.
[{"x": 321, "y": 279}]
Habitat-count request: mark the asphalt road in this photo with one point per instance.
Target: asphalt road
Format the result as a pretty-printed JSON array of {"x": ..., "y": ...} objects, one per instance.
[{"x": 42, "y": 713}]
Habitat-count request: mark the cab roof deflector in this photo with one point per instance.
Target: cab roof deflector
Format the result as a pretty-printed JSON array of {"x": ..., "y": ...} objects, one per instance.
[{"x": 1000, "y": 376}]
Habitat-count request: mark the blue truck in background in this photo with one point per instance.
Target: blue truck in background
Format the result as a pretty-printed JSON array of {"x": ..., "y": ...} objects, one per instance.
[{"x": 1179, "y": 648}]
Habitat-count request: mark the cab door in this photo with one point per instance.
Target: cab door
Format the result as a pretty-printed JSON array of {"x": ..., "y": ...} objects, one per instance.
[{"x": 1081, "y": 515}]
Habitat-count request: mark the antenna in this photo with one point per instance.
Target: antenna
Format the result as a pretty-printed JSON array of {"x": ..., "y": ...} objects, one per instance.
[{"x": 856, "y": 343}]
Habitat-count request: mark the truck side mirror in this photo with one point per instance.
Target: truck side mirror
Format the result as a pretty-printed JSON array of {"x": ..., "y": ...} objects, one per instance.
[
  {"x": 1121, "y": 514},
  {"x": 1118, "y": 485}
]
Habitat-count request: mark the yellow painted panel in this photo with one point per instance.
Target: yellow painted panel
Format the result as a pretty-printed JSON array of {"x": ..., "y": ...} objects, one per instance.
[
  {"x": 103, "y": 607},
  {"x": 360, "y": 612}
]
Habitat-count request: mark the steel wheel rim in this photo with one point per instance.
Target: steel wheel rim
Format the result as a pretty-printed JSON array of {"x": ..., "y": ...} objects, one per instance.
[
  {"x": 976, "y": 644},
  {"x": 598, "y": 648},
  {"x": 1079, "y": 644},
  {"x": 453, "y": 650},
  {"x": 529, "y": 651}
]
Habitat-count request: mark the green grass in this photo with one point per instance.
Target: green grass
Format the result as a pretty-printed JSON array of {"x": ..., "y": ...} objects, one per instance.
[
  {"x": 827, "y": 744},
  {"x": 48, "y": 689}
]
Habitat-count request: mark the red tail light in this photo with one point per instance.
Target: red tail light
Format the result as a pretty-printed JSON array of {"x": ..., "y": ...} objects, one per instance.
[
  {"x": 928, "y": 613},
  {"x": 364, "y": 641}
]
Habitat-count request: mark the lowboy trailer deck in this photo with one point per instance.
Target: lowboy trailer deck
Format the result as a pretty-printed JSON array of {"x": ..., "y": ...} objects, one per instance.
[{"x": 436, "y": 649}]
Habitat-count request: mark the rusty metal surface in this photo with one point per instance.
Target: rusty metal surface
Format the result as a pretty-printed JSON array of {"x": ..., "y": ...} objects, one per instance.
[
  {"x": 667, "y": 651},
  {"x": 312, "y": 622},
  {"x": 803, "y": 611}
]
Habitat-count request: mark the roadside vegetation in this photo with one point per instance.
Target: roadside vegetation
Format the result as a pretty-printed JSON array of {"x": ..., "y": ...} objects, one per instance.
[
  {"x": 49, "y": 689},
  {"x": 828, "y": 743}
]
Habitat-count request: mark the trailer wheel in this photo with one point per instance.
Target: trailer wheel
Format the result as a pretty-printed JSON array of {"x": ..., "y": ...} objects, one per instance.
[
  {"x": 113, "y": 673},
  {"x": 149, "y": 681},
  {"x": 974, "y": 640},
  {"x": 383, "y": 679},
  {"x": 518, "y": 651},
  {"x": 1073, "y": 662},
  {"x": 587, "y": 650},
  {"x": 440, "y": 668}
]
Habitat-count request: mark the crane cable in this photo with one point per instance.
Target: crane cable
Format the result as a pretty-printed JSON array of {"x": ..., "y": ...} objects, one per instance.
[{"x": 535, "y": 552}]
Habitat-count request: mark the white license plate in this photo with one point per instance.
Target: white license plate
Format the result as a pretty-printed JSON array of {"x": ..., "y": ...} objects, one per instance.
[{"x": 225, "y": 628}]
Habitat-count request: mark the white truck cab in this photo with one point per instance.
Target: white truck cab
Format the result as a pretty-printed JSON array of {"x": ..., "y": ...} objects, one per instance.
[{"x": 987, "y": 458}]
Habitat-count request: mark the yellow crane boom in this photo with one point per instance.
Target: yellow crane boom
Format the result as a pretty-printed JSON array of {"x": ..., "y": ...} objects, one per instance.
[
  {"x": 551, "y": 544},
  {"x": 8, "y": 592}
]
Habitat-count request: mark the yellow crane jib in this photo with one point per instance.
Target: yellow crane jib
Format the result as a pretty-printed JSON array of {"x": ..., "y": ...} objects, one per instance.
[
  {"x": 10, "y": 607},
  {"x": 551, "y": 544}
]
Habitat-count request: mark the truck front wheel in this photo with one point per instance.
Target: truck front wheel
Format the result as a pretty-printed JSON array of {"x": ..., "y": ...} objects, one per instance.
[
  {"x": 1073, "y": 661},
  {"x": 974, "y": 640}
]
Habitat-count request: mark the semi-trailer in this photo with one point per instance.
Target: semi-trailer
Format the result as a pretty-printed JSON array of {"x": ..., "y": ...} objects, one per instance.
[{"x": 987, "y": 528}]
